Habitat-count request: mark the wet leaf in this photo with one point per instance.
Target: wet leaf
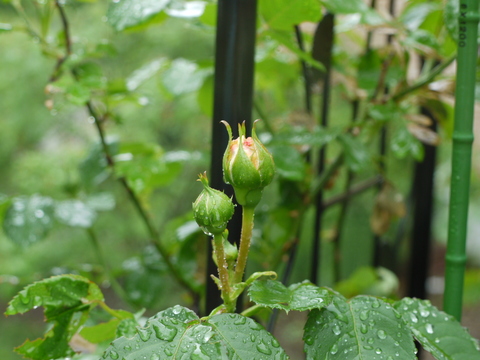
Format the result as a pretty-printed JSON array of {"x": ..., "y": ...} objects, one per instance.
[
  {"x": 28, "y": 219},
  {"x": 5, "y": 27},
  {"x": 404, "y": 143},
  {"x": 129, "y": 14},
  {"x": 63, "y": 297},
  {"x": 177, "y": 333},
  {"x": 370, "y": 281},
  {"x": 438, "y": 333},
  {"x": 75, "y": 213},
  {"x": 289, "y": 163},
  {"x": 184, "y": 76},
  {"x": 357, "y": 156},
  {"x": 299, "y": 297},
  {"x": 362, "y": 328}
]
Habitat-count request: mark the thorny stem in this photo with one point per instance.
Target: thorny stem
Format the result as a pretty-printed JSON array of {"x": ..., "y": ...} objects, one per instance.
[
  {"x": 68, "y": 42},
  {"x": 155, "y": 238},
  {"x": 245, "y": 239},
  {"x": 223, "y": 271}
]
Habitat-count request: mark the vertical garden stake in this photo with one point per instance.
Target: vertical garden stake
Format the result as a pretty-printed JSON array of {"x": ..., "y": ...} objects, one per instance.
[
  {"x": 233, "y": 99},
  {"x": 461, "y": 156}
]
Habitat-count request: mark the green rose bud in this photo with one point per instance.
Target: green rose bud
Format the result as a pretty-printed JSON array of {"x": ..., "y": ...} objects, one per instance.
[
  {"x": 212, "y": 209},
  {"x": 247, "y": 166}
]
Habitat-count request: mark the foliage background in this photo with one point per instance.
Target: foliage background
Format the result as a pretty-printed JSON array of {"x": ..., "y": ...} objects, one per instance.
[{"x": 41, "y": 147}]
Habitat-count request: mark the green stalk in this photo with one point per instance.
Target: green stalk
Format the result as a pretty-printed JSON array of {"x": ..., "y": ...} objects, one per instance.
[
  {"x": 223, "y": 271},
  {"x": 245, "y": 238},
  {"x": 461, "y": 157}
]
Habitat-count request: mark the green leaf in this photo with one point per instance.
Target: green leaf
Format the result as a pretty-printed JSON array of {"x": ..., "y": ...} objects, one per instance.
[
  {"x": 413, "y": 16},
  {"x": 243, "y": 338},
  {"x": 299, "y": 297},
  {"x": 75, "y": 213},
  {"x": 128, "y": 14},
  {"x": 209, "y": 16},
  {"x": 63, "y": 297},
  {"x": 370, "y": 281},
  {"x": 439, "y": 333},
  {"x": 177, "y": 333},
  {"x": 284, "y": 14},
  {"x": 5, "y": 203},
  {"x": 145, "y": 167},
  {"x": 77, "y": 93},
  {"x": 144, "y": 73},
  {"x": 205, "y": 96},
  {"x": 28, "y": 219},
  {"x": 284, "y": 38},
  {"x": 94, "y": 169},
  {"x": 346, "y": 7},
  {"x": 303, "y": 136},
  {"x": 90, "y": 75},
  {"x": 404, "y": 143},
  {"x": 356, "y": 153},
  {"x": 369, "y": 70},
  {"x": 362, "y": 328},
  {"x": 100, "y": 332},
  {"x": 289, "y": 163},
  {"x": 183, "y": 76}
]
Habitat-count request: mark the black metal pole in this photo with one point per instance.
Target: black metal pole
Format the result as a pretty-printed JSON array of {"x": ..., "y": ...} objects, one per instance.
[
  {"x": 233, "y": 101},
  {"x": 322, "y": 51},
  {"x": 422, "y": 194}
]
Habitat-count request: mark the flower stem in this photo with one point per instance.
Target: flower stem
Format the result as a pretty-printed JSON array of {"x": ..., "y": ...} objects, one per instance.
[
  {"x": 223, "y": 271},
  {"x": 245, "y": 238}
]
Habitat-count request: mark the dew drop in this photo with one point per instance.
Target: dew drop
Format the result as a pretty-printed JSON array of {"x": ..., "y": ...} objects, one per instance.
[
  {"x": 370, "y": 341},
  {"x": 275, "y": 343},
  {"x": 381, "y": 334},
  {"x": 424, "y": 312},
  {"x": 367, "y": 347},
  {"x": 154, "y": 357},
  {"x": 334, "y": 349},
  {"x": 437, "y": 340},
  {"x": 375, "y": 304},
  {"x": 429, "y": 328},
  {"x": 363, "y": 329},
  {"x": 144, "y": 334},
  {"x": 413, "y": 317},
  {"x": 241, "y": 320},
  {"x": 336, "y": 330},
  {"x": 113, "y": 354},
  {"x": 164, "y": 332},
  {"x": 263, "y": 348},
  {"x": 364, "y": 315},
  {"x": 378, "y": 351},
  {"x": 309, "y": 340}
]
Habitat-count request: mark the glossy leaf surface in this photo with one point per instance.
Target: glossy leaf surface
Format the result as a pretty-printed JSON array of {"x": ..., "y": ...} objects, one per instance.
[
  {"x": 438, "y": 333},
  {"x": 362, "y": 328},
  {"x": 177, "y": 333},
  {"x": 66, "y": 299},
  {"x": 124, "y": 14},
  {"x": 300, "y": 297},
  {"x": 28, "y": 219}
]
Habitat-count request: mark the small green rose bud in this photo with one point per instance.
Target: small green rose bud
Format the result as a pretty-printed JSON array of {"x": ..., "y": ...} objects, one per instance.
[
  {"x": 247, "y": 165},
  {"x": 212, "y": 209}
]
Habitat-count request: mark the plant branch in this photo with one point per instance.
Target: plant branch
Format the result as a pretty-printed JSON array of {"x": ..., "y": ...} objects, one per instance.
[
  {"x": 67, "y": 39},
  {"x": 98, "y": 121},
  {"x": 219, "y": 252},
  {"x": 354, "y": 190},
  {"x": 319, "y": 183},
  {"x": 425, "y": 79},
  {"x": 245, "y": 239}
]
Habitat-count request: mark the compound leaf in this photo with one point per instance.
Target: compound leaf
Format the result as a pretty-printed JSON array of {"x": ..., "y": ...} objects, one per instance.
[
  {"x": 362, "y": 328},
  {"x": 439, "y": 333}
]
